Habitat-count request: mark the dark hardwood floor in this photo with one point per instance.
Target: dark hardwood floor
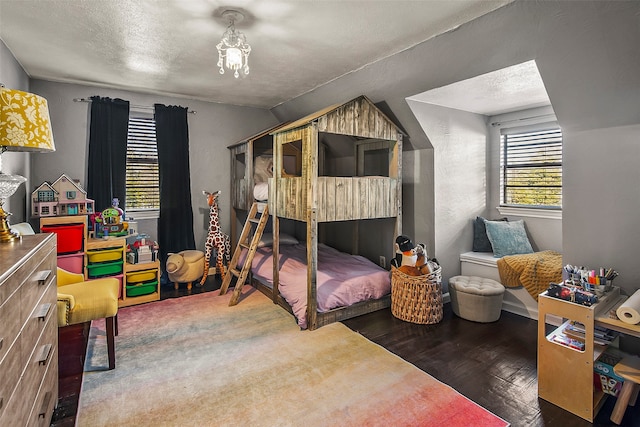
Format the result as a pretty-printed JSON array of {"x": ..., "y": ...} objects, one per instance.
[{"x": 493, "y": 364}]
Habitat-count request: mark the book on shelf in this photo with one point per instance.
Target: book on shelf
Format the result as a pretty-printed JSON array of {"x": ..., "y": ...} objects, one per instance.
[
  {"x": 601, "y": 335},
  {"x": 560, "y": 338}
]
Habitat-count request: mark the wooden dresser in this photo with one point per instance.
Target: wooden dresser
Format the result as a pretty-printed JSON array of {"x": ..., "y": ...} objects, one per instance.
[{"x": 28, "y": 331}]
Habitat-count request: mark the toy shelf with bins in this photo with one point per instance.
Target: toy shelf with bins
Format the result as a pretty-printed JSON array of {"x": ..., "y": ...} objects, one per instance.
[
  {"x": 71, "y": 234},
  {"x": 139, "y": 283},
  {"x": 565, "y": 374}
]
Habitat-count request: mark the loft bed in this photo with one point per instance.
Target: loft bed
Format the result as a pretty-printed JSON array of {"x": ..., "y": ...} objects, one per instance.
[
  {"x": 244, "y": 155},
  {"x": 336, "y": 186}
]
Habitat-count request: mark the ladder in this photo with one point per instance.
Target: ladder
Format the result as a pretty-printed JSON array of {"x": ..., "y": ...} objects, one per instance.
[{"x": 259, "y": 220}]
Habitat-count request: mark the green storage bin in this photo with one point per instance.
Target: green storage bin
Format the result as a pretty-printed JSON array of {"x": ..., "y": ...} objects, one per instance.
[
  {"x": 142, "y": 289},
  {"x": 104, "y": 269}
]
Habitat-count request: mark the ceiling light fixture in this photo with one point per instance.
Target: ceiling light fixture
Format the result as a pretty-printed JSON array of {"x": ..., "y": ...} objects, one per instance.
[{"x": 233, "y": 50}]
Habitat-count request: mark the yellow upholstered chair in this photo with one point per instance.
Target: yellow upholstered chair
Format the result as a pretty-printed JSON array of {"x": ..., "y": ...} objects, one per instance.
[{"x": 81, "y": 301}]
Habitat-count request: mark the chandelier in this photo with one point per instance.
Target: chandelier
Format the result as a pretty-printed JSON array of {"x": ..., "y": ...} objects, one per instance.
[{"x": 233, "y": 50}]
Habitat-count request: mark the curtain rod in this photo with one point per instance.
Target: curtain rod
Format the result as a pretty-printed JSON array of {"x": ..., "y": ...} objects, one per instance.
[
  {"x": 139, "y": 107},
  {"x": 524, "y": 119}
]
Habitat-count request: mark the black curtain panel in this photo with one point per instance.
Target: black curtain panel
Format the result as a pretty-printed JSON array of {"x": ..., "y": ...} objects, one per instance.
[
  {"x": 175, "y": 225},
  {"x": 107, "y": 164}
]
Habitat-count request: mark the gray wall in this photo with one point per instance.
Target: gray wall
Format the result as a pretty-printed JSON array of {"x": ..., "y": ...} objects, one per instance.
[
  {"x": 588, "y": 58},
  {"x": 211, "y": 130},
  {"x": 13, "y": 163},
  {"x": 459, "y": 142}
]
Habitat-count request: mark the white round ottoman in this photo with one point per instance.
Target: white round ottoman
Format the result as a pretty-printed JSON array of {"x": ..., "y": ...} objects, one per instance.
[{"x": 476, "y": 298}]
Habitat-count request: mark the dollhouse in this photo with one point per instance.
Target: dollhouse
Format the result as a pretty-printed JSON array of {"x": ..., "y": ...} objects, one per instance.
[{"x": 64, "y": 197}]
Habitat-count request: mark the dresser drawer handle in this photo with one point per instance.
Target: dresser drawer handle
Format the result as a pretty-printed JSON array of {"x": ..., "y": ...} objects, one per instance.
[
  {"x": 42, "y": 276},
  {"x": 44, "y": 356},
  {"x": 1, "y": 343},
  {"x": 45, "y": 405},
  {"x": 43, "y": 311}
]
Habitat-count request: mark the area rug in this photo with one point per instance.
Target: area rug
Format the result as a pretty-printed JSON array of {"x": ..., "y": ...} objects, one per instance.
[{"x": 195, "y": 361}]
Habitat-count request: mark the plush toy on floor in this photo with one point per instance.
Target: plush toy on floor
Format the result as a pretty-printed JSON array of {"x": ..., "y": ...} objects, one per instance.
[
  {"x": 215, "y": 239},
  {"x": 185, "y": 267}
]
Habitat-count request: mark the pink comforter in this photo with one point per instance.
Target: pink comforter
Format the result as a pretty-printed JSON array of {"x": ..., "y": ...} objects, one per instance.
[{"x": 342, "y": 279}]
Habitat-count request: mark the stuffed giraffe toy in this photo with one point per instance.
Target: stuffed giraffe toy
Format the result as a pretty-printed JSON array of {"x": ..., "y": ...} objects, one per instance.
[{"x": 215, "y": 239}]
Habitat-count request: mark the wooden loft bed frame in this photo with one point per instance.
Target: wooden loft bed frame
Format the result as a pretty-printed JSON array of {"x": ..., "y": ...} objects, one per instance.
[
  {"x": 300, "y": 193},
  {"x": 301, "y": 189}
]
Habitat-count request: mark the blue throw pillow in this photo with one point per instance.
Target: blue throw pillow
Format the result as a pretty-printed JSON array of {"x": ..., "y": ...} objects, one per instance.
[
  {"x": 508, "y": 238},
  {"x": 481, "y": 242}
]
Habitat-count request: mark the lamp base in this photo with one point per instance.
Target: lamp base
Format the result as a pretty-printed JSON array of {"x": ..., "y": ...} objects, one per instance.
[{"x": 6, "y": 235}]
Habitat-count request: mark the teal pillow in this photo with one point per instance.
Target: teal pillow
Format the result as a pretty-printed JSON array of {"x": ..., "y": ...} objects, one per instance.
[{"x": 508, "y": 238}]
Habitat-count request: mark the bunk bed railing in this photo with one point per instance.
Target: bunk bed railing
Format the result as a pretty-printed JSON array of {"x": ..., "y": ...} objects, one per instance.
[{"x": 337, "y": 198}]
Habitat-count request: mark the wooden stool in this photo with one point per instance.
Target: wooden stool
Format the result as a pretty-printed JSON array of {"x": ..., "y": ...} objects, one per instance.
[{"x": 629, "y": 369}]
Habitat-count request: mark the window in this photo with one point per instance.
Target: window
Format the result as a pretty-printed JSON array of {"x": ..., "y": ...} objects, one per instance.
[
  {"x": 531, "y": 168},
  {"x": 71, "y": 195},
  {"x": 45, "y": 196},
  {"x": 143, "y": 192}
]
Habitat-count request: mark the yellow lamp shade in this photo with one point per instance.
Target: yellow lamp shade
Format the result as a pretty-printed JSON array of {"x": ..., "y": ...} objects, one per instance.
[{"x": 24, "y": 122}]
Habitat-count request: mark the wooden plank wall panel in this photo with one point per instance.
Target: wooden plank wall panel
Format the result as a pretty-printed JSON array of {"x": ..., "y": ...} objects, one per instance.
[
  {"x": 343, "y": 196},
  {"x": 239, "y": 195},
  {"x": 291, "y": 195},
  {"x": 351, "y": 198},
  {"x": 358, "y": 118}
]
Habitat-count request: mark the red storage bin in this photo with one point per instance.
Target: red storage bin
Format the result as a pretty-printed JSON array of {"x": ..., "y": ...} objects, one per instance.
[{"x": 70, "y": 237}]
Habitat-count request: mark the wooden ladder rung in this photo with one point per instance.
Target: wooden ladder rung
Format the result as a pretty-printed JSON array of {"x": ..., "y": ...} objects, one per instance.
[{"x": 247, "y": 235}]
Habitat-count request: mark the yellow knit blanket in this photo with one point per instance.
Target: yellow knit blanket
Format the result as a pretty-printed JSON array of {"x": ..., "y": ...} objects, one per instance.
[{"x": 533, "y": 271}]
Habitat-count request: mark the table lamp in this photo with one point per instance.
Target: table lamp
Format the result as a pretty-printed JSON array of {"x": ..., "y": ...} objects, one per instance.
[{"x": 24, "y": 126}]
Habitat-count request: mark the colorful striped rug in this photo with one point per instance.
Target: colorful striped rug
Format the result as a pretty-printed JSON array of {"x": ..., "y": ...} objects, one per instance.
[{"x": 195, "y": 361}]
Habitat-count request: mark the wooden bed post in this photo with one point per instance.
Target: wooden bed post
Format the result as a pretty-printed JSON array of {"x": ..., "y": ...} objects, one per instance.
[
  {"x": 310, "y": 175},
  {"x": 273, "y": 210}
]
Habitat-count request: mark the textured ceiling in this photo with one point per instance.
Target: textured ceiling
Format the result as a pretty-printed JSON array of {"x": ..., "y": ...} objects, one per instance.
[
  {"x": 502, "y": 91},
  {"x": 168, "y": 46}
]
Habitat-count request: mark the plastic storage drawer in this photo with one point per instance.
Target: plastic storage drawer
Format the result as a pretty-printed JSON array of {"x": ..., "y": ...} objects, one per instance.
[
  {"x": 136, "y": 277},
  {"x": 104, "y": 255},
  {"x": 104, "y": 269},
  {"x": 70, "y": 237},
  {"x": 73, "y": 263},
  {"x": 142, "y": 289}
]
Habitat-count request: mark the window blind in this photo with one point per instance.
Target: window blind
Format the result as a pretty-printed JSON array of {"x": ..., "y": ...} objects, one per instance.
[
  {"x": 532, "y": 168},
  {"x": 142, "y": 165}
]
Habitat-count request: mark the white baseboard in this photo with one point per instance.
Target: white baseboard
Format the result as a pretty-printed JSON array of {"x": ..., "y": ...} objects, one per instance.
[
  {"x": 531, "y": 313},
  {"x": 446, "y": 298}
]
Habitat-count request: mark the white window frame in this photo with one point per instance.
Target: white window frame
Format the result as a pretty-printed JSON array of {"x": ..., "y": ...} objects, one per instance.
[
  {"x": 142, "y": 213},
  {"x": 521, "y": 124}
]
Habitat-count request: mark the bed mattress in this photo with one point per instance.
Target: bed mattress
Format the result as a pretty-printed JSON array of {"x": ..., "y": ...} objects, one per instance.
[{"x": 342, "y": 279}]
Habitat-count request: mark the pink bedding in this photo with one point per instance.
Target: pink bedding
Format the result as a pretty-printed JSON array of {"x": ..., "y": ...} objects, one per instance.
[{"x": 342, "y": 279}]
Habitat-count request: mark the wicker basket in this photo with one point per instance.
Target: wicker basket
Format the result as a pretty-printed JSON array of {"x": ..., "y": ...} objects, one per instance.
[{"x": 416, "y": 299}]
